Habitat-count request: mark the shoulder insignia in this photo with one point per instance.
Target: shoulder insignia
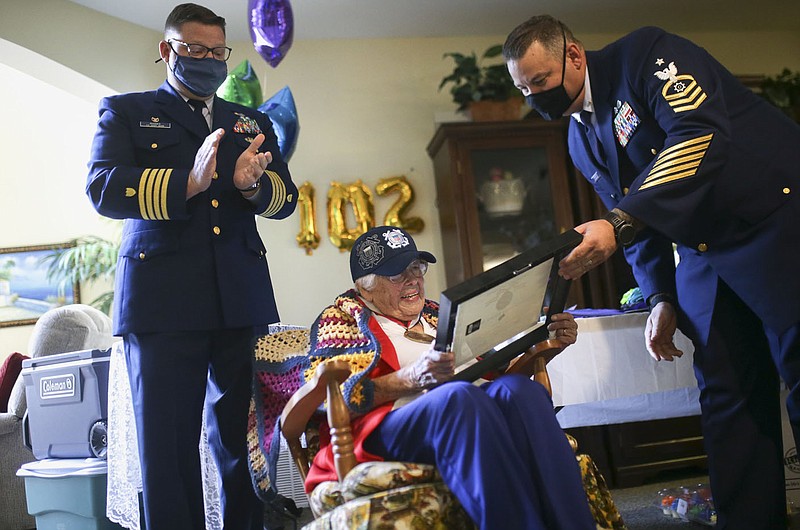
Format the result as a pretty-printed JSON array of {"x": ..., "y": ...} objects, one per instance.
[
  {"x": 246, "y": 125},
  {"x": 625, "y": 122},
  {"x": 681, "y": 92},
  {"x": 678, "y": 162},
  {"x": 130, "y": 192}
]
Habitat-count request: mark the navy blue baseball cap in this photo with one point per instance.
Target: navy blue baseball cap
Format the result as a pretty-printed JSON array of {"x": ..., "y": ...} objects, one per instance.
[{"x": 385, "y": 251}]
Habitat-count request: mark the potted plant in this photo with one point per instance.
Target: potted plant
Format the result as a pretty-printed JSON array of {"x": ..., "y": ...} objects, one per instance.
[
  {"x": 486, "y": 91},
  {"x": 91, "y": 259},
  {"x": 783, "y": 91}
]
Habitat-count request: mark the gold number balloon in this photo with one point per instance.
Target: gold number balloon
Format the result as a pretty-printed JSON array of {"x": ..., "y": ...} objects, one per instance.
[
  {"x": 308, "y": 237},
  {"x": 360, "y": 198},
  {"x": 395, "y": 215}
]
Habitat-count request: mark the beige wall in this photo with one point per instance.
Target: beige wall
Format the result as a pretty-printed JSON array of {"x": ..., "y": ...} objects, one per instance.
[{"x": 366, "y": 111}]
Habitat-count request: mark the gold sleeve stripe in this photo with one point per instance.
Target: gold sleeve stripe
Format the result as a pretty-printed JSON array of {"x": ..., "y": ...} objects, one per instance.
[
  {"x": 142, "y": 190},
  {"x": 156, "y": 193},
  {"x": 153, "y": 186},
  {"x": 278, "y": 194},
  {"x": 678, "y": 162}
]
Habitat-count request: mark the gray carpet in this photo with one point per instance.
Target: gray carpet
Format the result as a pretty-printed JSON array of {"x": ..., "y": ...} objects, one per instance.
[{"x": 638, "y": 508}]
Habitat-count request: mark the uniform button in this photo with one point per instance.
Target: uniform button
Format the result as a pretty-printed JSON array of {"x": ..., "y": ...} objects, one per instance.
[
  {"x": 653, "y": 150},
  {"x": 217, "y": 230},
  {"x": 625, "y": 191},
  {"x": 141, "y": 255},
  {"x": 214, "y": 203},
  {"x": 787, "y": 191},
  {"x": 702, "y": 247},
  {"x": 215, "y": 176},
  {"x": 154, "y": 146}
]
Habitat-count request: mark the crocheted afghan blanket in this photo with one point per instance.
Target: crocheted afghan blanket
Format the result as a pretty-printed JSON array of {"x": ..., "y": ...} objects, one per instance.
[{"x": 286, "y": 359}]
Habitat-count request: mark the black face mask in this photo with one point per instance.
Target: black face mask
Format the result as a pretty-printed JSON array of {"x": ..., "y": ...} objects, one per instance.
[{"x": 553, "y": 103}]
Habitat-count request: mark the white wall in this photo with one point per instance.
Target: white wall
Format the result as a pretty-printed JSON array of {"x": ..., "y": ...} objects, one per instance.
[{"x": 366, "y": 111}]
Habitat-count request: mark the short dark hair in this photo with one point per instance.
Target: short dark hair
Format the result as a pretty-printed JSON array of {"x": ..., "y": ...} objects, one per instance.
[
  {"x": 544, "y": 29},
  {"x": 184, "y": 13}
]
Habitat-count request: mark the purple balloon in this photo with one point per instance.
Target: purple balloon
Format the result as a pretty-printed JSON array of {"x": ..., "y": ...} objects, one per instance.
[
  {"x": 271, "y": 28},
  {"x": 282, "y": 112}
]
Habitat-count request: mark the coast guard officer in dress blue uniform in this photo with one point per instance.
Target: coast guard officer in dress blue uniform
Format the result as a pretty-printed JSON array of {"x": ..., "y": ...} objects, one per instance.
[
  {"x": 189, "y": 173},
  {"x": 681, "y": 152}
]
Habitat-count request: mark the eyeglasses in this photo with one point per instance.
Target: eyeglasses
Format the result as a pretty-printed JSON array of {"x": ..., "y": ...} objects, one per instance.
[
  {"x": 416, "y": 269},
  {"x": 198, "y": 51}
]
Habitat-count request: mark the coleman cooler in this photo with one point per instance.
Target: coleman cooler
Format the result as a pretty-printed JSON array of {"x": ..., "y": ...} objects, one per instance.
[{"x": 67, "y": 398}]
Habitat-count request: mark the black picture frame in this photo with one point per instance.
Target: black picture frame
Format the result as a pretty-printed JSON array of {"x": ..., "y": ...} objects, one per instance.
[{"x": 453, "y": 299}]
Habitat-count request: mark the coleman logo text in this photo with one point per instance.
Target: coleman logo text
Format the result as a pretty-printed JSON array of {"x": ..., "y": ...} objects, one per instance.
[{"x": 58, "y": 386}]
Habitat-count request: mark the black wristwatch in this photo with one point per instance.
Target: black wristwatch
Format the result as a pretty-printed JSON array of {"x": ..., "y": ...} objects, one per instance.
[{"x": 624, "y": 231}]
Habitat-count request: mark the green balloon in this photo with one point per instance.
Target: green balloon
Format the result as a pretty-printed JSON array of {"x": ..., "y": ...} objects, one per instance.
[{"x": 242, "y": 86}]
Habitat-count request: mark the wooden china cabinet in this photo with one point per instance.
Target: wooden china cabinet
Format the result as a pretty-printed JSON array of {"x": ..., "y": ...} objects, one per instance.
[{"x": 504, "y": 187}]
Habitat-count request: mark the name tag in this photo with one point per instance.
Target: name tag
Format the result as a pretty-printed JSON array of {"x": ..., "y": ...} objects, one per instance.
[{"x": 154, "y": 125}]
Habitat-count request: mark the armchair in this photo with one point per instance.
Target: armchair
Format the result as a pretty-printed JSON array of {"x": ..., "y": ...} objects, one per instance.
[
  {"x": 63, "y": 329},
  {"x": 371, "y": 494}
]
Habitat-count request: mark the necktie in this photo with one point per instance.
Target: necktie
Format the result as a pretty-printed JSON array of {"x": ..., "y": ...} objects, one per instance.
[
  {"x": 591, "y": 134},
  {"x": 197, "y": 108}
]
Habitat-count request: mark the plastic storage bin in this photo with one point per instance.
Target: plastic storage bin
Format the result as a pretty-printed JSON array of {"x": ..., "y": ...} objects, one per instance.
[
  {"x": 67, "y": 494},
  {"x": 67, "y": 404}
]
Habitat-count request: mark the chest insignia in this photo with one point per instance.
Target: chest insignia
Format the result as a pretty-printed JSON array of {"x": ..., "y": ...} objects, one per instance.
[
  {"x": 155, "y": 123},
  {"x": 246, "y": 125},
  {"x": 681, "y": 92},
  {"x": 625, "y": 122}
]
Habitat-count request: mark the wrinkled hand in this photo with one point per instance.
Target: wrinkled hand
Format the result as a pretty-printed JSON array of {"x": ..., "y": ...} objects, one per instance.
[
  {"x": 565, "y": 328},
  {"x": 597, "y": 246},
  {"x": 659, "y": 332},
  {"x": 431, "y": 368},
  {"x": 205, "y": 164},
  {"x": 251, "y": 164}
]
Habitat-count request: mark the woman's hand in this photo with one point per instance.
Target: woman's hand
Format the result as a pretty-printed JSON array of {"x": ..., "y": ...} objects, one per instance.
[
  {"x": 431, "y": 368},
  {"x": 564, "y": 327}
]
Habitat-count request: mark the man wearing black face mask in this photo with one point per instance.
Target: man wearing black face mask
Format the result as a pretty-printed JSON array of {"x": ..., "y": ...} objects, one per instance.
[
  {"x": 189, "y": 173},
  {"x": 680, "y": 151}
]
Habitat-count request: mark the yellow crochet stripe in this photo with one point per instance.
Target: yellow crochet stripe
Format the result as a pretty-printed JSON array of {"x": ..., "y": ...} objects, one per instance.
[
  {"x": 153, "y": 185},
  {"x": 278, "y": 347},
  {"x": 678, "y": 162},
  {"x": 279, "y": 197}
]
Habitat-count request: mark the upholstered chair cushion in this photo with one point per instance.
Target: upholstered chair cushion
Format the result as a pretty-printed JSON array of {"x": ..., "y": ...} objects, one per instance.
[{"x": 9, "y": 371}]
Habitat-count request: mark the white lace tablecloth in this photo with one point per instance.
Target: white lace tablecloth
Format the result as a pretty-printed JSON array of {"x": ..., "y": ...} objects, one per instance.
[{"x": 124, "y": 471}]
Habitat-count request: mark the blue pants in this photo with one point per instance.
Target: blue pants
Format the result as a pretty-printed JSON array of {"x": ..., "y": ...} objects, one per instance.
[
  {"x": 172, "y": 375},
  {"x": 499, "y": 449},
  {"x": 739, "y": 397}
]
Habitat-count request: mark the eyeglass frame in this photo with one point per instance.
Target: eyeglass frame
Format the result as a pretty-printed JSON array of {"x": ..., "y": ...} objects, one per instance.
[
  {"x": 418, "y": 264},
  {"x": 203, "y": 56}
]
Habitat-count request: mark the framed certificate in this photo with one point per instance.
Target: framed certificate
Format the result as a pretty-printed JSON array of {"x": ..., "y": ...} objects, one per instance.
[{"x": 491, "y": 318}]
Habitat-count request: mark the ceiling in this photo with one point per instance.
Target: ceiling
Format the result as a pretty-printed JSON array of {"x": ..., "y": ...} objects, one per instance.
[{"x": 353, "y": 19}]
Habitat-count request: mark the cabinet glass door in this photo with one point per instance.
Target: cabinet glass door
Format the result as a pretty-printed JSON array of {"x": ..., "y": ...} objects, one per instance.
[{"x": 514, "y": 201}]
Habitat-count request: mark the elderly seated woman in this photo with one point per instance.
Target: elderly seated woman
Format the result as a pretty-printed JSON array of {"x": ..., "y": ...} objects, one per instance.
[{"x": 497, "y": 446}]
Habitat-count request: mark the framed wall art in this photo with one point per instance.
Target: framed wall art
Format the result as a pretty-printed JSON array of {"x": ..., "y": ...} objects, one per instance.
[{"x": 26, "y": 291}]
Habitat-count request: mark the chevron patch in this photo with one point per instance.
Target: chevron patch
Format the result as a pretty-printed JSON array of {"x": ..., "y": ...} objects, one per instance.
[
  {"x": 688, "y": 95},
  {"x": 681, "y": 91},
  {"x": 678, "y": 162}
]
